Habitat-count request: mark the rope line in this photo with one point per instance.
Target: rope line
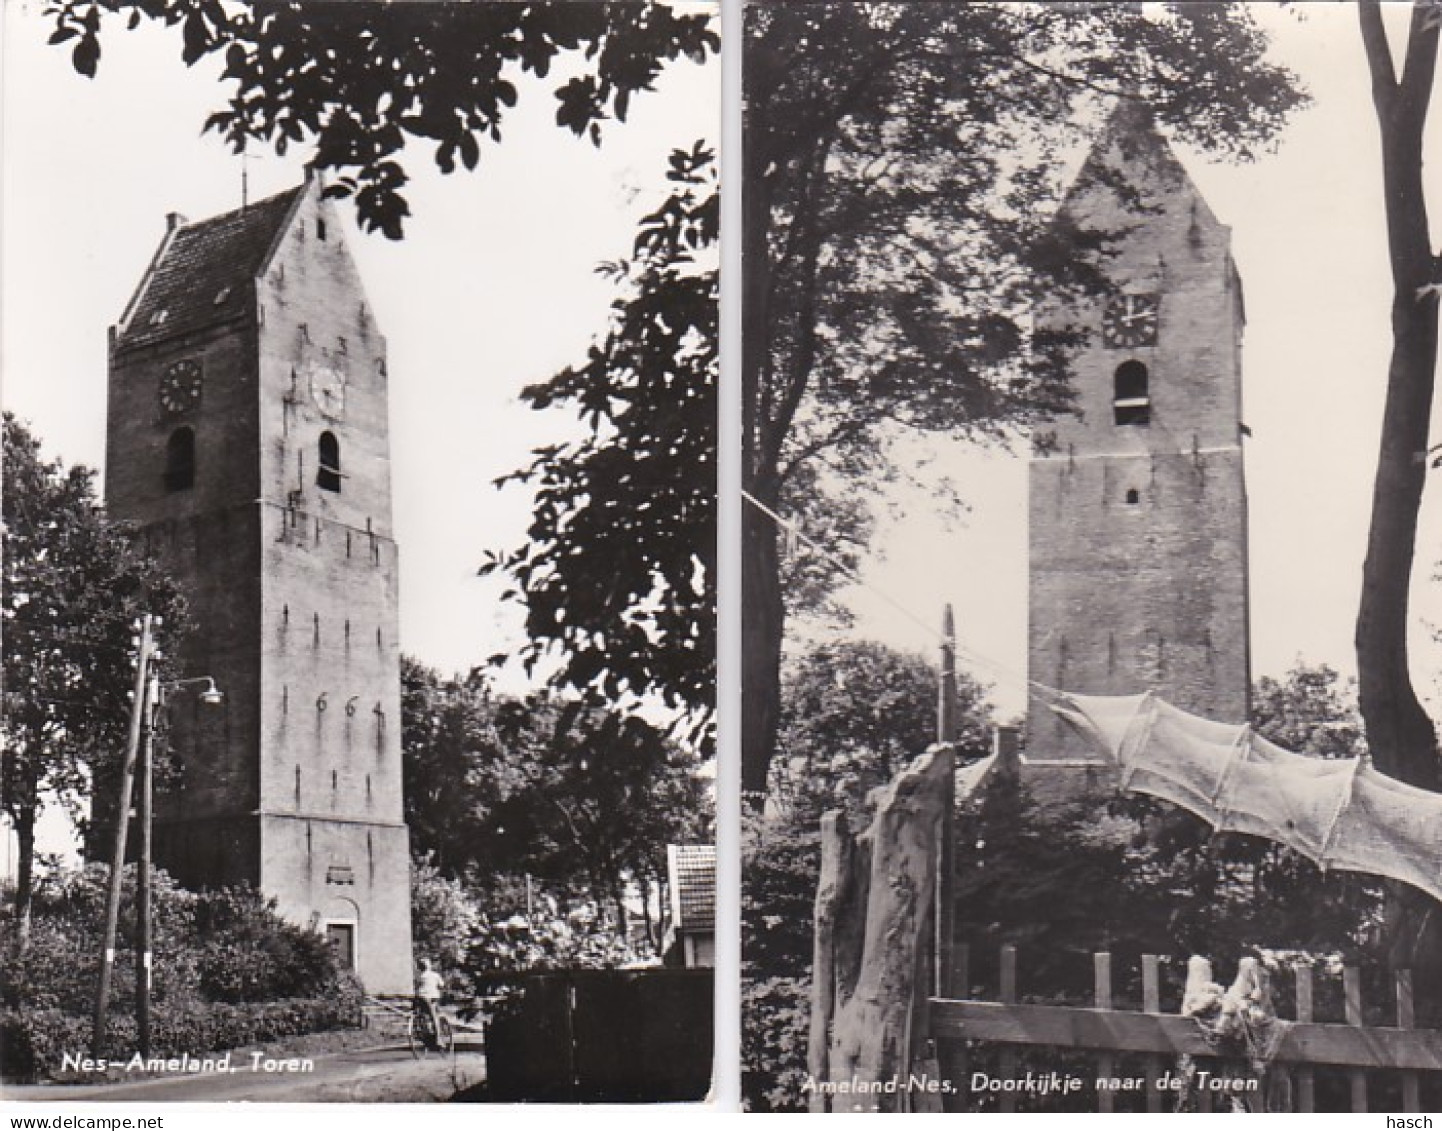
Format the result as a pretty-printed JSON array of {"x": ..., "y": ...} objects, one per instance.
[{"x": 1042, "y": 690}]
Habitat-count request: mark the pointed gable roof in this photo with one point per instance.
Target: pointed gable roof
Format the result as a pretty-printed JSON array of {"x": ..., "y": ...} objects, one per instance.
[
  {"x": 1133, "y": 167},
  {"x": 205, "y": 272}
]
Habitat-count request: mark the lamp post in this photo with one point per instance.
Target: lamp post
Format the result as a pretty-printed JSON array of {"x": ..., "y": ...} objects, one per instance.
[
  {"x": 156, "y": 698},
  {"x": 122, "y": 825}
]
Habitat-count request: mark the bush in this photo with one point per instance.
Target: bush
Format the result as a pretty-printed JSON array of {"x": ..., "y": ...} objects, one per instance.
[
  {"x": 775, "y": 1029},
  {"x": 481, "y": 931},
  {"x": 33, "y": 1041},
  {"x": 228, "y": 971},
  {"x": 248, "y": 953}
]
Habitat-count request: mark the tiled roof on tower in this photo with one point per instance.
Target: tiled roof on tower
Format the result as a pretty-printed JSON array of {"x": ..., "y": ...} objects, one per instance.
[{"x": 205, "y": 272}]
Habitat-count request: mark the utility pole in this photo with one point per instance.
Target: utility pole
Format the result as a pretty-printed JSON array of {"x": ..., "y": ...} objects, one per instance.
[
  {"x": 122, "y": 825},
  {"x": 946, "y": 709},
  {"x": 142, "y": 884},
  {"x": 948, "y": 978}
]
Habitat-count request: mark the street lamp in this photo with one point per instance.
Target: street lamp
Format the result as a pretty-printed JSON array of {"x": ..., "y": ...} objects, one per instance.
[
  {"x": 212, "y": 696},
  {"x": 147, "y": 697}
]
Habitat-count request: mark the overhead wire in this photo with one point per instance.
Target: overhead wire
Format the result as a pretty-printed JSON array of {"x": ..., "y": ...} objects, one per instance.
[{"x": 1004, "y": 671}]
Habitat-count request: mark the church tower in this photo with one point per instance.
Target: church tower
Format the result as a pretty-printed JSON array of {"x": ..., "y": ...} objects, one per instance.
[
  {"x": 1138, "y": 506},
  {"x": 248, "y": 439}
]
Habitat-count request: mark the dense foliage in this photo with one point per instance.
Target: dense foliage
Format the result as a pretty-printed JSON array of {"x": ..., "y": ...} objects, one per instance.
[
  {"x": 541, "y": 787},
  {"x": 74, "y": 588},
  {"x": 855, "y": 713},
  {"x": 227, "y": 971},
  {"x": 361, "y": 81},
  {"x": 540, "y": 828},
  {"x": 618, "y": 576},
  {"x": 480, "y": 929}
]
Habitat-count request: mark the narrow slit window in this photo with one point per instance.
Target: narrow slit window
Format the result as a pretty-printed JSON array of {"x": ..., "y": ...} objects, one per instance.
[
  {"x": 328, "y": 477},
  {"x": 1131, "y": 401},
  {"x": 180, "y": 460},
  {"x": 320, "y": 229}
]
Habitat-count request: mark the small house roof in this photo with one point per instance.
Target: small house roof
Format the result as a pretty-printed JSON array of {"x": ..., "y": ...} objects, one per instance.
[{"x": 693, "y": 886}]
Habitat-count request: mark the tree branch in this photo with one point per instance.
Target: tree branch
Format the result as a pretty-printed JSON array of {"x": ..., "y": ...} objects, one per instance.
[{"x": 1379, "y": 55}]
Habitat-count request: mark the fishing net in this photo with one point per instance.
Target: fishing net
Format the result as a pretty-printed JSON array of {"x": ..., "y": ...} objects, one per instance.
[{"x": 1341, "y": 813}]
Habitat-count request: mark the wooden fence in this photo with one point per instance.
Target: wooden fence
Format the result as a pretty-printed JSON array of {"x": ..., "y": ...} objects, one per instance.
[{"x": 1159, "y": 1042}]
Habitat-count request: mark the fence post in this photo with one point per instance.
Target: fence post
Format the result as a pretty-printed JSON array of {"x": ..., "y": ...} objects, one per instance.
[
  {"x": 1306, "y": 1093},
  {"x": 831, "y": 889},
  {"x": 1007, "y": 1060},
  {"x": 1106, "y": 1063},
  {"x": 1352, "y": 996},
  {"x": 1152, "y": 1003},
  {"x": 1406, "y": 1019},
  {"x": 956, "y": 1064}
]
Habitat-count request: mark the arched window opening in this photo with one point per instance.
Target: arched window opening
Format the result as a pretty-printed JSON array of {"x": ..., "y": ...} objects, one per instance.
[
  {"x": 1131, "y": 402},
  {"x": 329, "y": 476},
  {"x": 180, "y": 460},
  {"x": 1133, "y": 497}
]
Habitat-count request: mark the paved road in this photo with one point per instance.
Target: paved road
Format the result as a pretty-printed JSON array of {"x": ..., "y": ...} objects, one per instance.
[{"x": 388, "y": 1074}]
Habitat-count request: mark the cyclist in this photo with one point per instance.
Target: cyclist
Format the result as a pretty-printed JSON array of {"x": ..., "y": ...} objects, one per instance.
[{"x": 428, "y": 998}]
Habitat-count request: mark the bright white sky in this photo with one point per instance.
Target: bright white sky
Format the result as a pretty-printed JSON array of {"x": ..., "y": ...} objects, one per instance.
[{"x": 1309, "y": 242}]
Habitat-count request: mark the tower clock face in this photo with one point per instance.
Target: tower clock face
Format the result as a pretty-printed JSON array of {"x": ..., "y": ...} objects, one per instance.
[
  {"x": 180, "y": 387},
  {"x": 327, "y": 389},
  {"x": 1130, "y": 320}
]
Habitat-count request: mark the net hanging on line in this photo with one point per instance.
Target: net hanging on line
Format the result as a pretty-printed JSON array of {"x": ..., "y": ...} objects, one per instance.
[{"x": 1341, "y": 813}]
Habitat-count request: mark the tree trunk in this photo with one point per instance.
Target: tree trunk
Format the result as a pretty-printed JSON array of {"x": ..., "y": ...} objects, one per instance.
[
  {"x": 24, "y": 878},
  {"x": 763, "y": 612},
  {"x": 762, "y": 627},
  {"x": 878, "y": 904},
  {"x": 1400, "y": 736}
]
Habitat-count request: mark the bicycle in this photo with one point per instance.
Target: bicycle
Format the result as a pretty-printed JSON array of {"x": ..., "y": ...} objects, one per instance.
[{"x": 425, "y": 1037}]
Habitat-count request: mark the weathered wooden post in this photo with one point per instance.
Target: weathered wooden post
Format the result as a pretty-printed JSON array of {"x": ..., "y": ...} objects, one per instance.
[
  {"x": 835, "y": 884},
  {"x": 878, "y": 945}
]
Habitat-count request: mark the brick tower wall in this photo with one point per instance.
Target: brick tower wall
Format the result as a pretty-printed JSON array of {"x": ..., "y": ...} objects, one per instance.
[
  {"x": 335, "y": 847},
  {"x": 1138, "y": 533},
  {"x": 294, "y": 782}
]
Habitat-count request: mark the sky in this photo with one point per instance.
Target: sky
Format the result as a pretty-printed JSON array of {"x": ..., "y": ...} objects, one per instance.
[{"x": 1309, "y": 242}]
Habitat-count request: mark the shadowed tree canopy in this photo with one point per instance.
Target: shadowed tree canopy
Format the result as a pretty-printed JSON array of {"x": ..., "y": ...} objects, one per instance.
[
  {"x": 1312, "y": 710},
  {"x": 856, "y": 713},
  {"x": 581, "y": 799},
  {"x": 902, "y": 163},
  {"x": 619, "y": 575},
  {"x": 74, "y": 589},
  {"x": 361, "y": 80}
]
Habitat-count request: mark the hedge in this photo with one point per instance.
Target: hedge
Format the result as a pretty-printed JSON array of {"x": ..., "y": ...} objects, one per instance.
[{"x": 33, "y": 1041}]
